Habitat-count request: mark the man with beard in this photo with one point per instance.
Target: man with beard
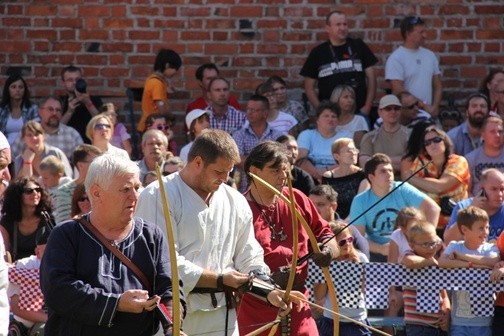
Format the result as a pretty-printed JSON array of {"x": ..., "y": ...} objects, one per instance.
[
  {"x": 466, "y": 136},
  {"x": 57, "y": 134},
  {"x": 154, "y": 148},
  {"x": 222, "y": 115},
  {"x": 489, "y": 155}
]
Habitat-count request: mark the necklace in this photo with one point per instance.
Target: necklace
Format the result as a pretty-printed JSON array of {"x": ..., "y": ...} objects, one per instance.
[{"x": 280, "y": 235}]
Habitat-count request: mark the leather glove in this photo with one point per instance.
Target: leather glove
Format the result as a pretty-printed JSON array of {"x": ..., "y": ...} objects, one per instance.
[{"x": 324, "y": 258}]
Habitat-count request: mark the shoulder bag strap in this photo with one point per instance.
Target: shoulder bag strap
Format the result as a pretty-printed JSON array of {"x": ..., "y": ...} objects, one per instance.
[{"x": 113, "y": 248}]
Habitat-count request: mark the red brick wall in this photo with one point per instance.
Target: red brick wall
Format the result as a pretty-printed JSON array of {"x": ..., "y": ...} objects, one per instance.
[{"x": 43, "y": 36}]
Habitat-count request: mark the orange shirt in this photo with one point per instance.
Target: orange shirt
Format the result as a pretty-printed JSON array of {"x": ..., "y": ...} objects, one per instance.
[
  {"x": 456, "y": 167},
  {"x": 155, "y": 88}
]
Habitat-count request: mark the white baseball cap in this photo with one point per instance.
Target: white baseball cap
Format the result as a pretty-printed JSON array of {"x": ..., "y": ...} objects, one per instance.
[
  {"x": 193, "y": 115},
  {"x": 389, "y": 100}
]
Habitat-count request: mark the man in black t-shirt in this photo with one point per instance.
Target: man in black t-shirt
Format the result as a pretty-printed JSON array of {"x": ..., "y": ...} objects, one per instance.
[
  {"x": 340, "y": 60},
  {"x": 78, "y": 106}
]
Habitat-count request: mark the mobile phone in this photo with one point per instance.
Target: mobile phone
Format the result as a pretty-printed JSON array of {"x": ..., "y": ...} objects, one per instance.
[{"x": 482, "y": 193}]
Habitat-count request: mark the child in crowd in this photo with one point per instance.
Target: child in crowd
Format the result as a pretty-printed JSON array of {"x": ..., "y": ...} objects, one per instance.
[
  {"x": 425, "y": 248},
  {"x": 196, "y": 121},
  {"x": 52, "y": 176},
  {"x": 473, "y": 251},
  {"x": 23, "y": 320},
  {"x": 347, "y": 253},
  {"x": 120, "y": 137},
  {"x": 398, "y": 246}
]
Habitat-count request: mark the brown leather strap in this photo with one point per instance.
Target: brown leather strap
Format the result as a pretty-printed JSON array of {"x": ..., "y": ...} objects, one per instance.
[{"x": 115, "y": 250}]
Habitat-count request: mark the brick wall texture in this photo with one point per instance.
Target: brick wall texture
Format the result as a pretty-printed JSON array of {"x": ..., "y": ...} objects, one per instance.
[{"x": 115, "y": 42}]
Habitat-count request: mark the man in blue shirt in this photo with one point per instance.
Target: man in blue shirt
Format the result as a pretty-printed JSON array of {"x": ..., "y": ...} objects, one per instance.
[{"x": 379, "y": 222}]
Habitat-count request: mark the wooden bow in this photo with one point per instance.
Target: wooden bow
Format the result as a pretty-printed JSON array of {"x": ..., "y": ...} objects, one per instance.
[
  {"x": 295, "y": 252},
  {"x": 292, "y": 274},
  {"x": 315, "y": 247},
  {"x": 173, "y": 256}
]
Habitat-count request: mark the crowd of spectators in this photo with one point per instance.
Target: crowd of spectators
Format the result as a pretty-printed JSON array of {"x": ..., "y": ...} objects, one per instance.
[{"x": 352, "y": 154}]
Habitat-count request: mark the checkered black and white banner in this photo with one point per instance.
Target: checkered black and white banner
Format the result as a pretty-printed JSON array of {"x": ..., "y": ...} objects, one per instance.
[{"x": 378, "y": 277}]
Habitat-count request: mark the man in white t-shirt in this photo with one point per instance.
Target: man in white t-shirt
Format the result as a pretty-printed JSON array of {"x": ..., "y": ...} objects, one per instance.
[{"x": 414, "y": 68}]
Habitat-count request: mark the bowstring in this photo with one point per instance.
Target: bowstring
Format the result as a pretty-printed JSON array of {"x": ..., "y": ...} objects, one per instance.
[{"x": 325, "y": 241}]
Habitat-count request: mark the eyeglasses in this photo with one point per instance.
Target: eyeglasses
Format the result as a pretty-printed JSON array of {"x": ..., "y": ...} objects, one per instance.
[
  {"x": 29, "y": 191},
  {"x": 163, "y": 127},
  {"x": 411, "y": 107},
  {"x": 102, "y": 126},
  {"x": 83, "y": 199},
  {"x": 344, "y": 241},
  {"x": 392, "y": 108},
  {"x": 431, "y": 244},
  {"x": 431, "y": 141}
]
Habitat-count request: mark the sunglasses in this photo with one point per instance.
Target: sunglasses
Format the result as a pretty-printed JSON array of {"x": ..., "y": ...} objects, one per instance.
[
  {"x": 165, "y": 173},
  {"x": 415, "y": 20},
  {"x": 29, "y": 191},
  {"x": 83, "y": 199},
  {"x": 431, "y": 141},
  {"x": 410, "y": 107},
  {"x": 163, "y": 127},
  {"x": 392, "y": 108},
  {"x": 102, "y": 126},
  {"x": 344, "y": 241},
  {"x": 430, "y": 245},
  {"x": 450, "y": 115}
]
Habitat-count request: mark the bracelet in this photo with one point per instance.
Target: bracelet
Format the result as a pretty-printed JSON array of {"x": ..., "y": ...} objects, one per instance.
[
  {"x": 27, "y": 162},
  {"x": 220, "y": 282}
]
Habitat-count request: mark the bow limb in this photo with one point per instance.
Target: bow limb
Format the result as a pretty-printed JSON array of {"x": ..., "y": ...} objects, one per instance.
[
  {"x": 315, "y": 247},
  {"x": 173, "y": 256},
  {"x": 295, "y": 251}
]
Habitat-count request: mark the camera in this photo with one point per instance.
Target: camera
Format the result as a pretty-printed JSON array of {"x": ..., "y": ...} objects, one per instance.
[{"x": 81, "y": 85}]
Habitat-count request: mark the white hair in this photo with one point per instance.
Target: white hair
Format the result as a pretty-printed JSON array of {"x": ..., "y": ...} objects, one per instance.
[{"x": 103, "y": 169}]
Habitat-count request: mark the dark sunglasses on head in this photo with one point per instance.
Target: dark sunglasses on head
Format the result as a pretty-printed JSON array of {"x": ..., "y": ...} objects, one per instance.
[
  {"x": 163, "y": 127},
  {"x": 29, "y": 191},
  {"x": 344, "y": 241},
  {"x": 102, "y": 126},
  {"x": 433, "y": 140},
  {"x": 82, "y": 199}
]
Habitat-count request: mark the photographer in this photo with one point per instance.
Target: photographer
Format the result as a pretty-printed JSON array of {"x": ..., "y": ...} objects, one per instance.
[{"x": 78, "y": 106}]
